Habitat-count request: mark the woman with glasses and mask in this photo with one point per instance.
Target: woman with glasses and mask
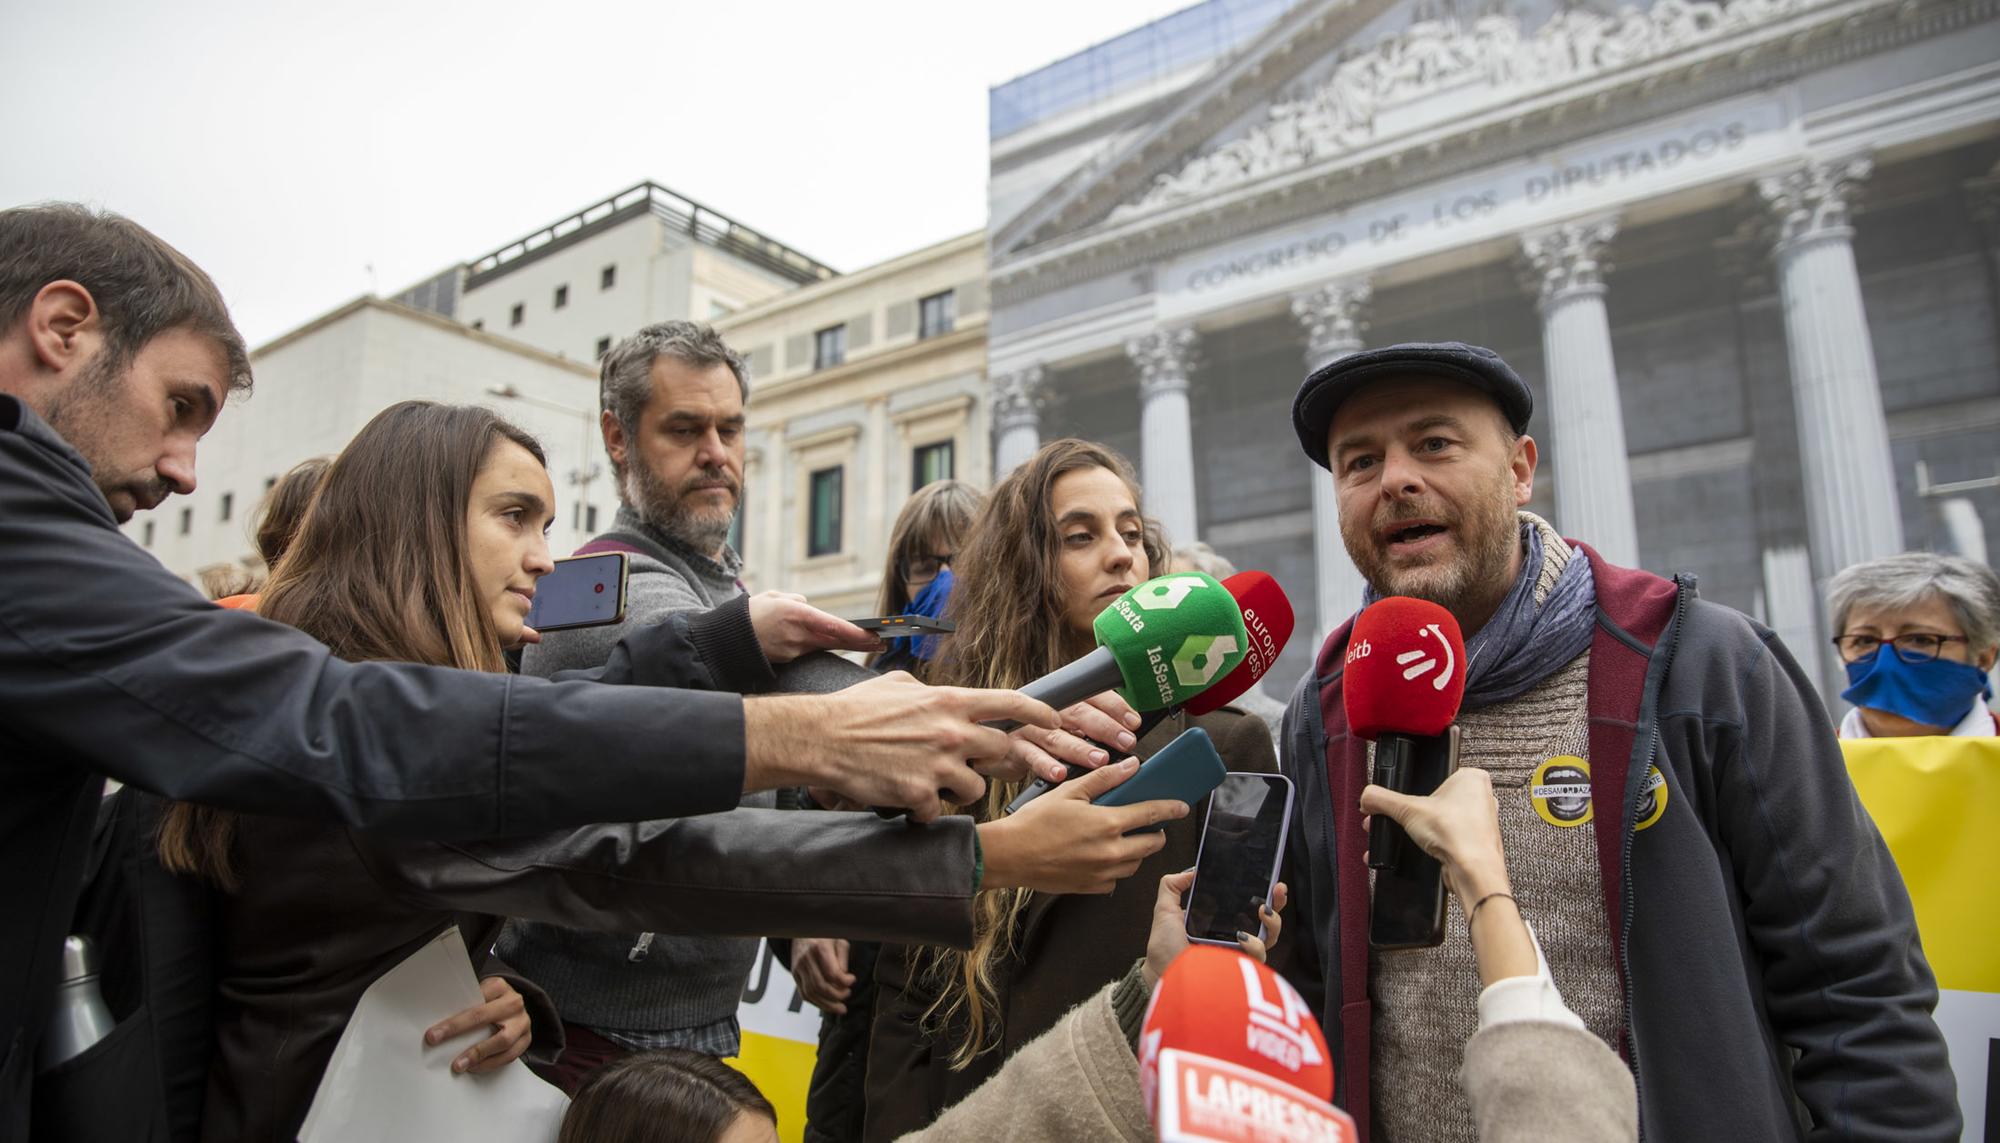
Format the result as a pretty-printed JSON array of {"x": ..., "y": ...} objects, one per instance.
[
  {"x": 929, "y": 530},
  {"x": 1918, "y": 632}
]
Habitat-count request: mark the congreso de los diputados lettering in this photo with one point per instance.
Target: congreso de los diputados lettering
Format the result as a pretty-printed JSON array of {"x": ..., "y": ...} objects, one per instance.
[{"x": 1746, "y": 252}]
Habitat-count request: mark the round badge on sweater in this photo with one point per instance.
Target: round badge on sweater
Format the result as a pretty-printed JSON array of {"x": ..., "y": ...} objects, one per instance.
[
  {"x": 1560, "y": 791},
  {"x": 1654, "y": 805}
]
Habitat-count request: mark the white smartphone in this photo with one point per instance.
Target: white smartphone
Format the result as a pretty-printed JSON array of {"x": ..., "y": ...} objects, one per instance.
[
  {"x": 1242, "y": 848},
  {"x": 583, "y": 591}
]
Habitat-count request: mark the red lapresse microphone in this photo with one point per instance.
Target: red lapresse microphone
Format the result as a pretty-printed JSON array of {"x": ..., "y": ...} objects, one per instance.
[
  {"x": 1405, "y": 677},
  {"x": 1230, "y": 1051}
]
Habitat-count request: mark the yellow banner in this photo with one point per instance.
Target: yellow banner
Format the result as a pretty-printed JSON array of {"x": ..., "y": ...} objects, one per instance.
[{"x": 1937, "y": 803}]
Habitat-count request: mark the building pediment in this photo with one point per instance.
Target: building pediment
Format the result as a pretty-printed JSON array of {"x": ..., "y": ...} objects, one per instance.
[
  {"x": 1341, "y": 82},
  {"x": 1438, "y": 70}
]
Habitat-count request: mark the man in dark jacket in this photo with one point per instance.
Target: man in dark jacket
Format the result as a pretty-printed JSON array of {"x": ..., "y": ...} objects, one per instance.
[
  {"x": 1679, "y": 825},
  {"x": 116, "y": 354}
]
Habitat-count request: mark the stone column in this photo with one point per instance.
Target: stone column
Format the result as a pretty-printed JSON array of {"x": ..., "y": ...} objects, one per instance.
[
  {"x": 1334, "y": 316},
  {"x": 1166, "y": 430},
  {"x": 1852, "y": 513},
  {"x": 1017, "y": 418},
  {"x": 1593, "y": 476}
]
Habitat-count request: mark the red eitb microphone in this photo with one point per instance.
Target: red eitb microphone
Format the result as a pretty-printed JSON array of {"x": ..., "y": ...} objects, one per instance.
[{"x": 1405, "y": 677}]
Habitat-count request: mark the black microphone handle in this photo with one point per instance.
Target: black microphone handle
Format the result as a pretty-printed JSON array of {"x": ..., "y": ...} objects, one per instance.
[
  {"x": 1386, "y": 839},
  {"x": 1066, "y": 686}
]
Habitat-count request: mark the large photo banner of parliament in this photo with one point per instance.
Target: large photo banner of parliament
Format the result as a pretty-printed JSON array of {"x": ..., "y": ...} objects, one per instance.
[{"x": 1936, "y": 801}]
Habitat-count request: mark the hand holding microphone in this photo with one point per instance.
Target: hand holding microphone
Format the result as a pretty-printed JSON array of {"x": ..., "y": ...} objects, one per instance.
[{"x": 1404, "y": 678}]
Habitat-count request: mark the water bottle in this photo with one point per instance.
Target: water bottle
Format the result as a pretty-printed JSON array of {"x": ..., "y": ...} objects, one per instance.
[{"x": 80, "y": 1018}]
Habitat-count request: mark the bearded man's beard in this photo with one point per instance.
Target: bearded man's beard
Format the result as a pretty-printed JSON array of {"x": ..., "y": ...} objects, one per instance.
[
  {"x": 669, "y": 510},
  {"x": 1473, "y": 571}
]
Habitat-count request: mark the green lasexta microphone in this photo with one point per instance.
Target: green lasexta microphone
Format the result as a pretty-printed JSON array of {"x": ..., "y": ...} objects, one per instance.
[{"x": 1160, "y": 644}]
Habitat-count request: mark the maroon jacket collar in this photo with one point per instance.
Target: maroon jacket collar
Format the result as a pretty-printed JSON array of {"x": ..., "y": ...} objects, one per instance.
[{"x": 1634, "y": 608}]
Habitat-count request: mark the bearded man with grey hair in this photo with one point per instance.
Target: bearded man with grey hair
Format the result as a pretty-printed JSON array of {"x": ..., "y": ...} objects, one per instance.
[{"x": 673, "y": 399}]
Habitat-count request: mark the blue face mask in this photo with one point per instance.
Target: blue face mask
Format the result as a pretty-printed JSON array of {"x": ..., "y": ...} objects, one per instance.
[
  {"x": 1937, "y": 693},
  {"x": 929, "y": 602}
]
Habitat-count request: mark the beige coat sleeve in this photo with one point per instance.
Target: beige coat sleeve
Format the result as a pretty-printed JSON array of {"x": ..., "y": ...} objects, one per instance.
[
  {"x": 1078, "y": 1080},
  {"x": 1531, "y": 1081}
]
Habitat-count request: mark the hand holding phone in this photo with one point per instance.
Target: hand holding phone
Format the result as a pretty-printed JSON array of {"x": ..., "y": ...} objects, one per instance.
[{"x": 1242, "y": 847}]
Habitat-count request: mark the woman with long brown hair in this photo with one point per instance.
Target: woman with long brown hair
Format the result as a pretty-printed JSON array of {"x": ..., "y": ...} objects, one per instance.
[
  {"x": 1058, "y": 541},
  {"x": 422, "y": 544}
]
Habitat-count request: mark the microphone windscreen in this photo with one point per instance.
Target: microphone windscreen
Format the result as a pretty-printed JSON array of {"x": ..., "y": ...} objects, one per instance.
[
  {"x": 1267, "y": 617},
  {"x": 1405, "y": 670},
  {"x": 1219, "y": 1003},
  {"x": 1173, "y": 637}
]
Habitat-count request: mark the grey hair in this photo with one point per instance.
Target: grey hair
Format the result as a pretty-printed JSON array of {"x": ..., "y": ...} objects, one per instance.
[
  {"x": 1198, "y": 556},
  {"x": 1971, "y": 589},
  {"x": 625, "y": 376}
]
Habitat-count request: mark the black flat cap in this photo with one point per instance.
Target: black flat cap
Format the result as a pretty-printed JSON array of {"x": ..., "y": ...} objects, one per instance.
[{"x": 1329, "y": 385}]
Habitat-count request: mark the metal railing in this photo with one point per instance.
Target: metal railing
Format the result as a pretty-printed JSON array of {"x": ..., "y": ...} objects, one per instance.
[{"x": 703, "y": 223}]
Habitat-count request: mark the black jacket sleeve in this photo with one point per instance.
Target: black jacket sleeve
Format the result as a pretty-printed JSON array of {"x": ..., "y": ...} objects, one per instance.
[
  {"x": 1845, "y": 980},
  {"x": 110, "y": 664},
  {"x": 746, "y": 873}
]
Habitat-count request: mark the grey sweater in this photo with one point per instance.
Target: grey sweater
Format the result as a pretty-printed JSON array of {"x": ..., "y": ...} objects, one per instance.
[{"x": 640, "y": 985}]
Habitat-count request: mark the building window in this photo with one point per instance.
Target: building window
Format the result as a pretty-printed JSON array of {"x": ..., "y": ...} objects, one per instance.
[
  {"x": 270, "y": 482},
  {"x": 562, "y": 295},
  {"x": 590, "y": 519},
  {"x": 519, "y": 315},
  {"x": 187, "y": 521},
  {"x": 479, "y": 323},
  {"x": 149, "y": 533},
  {"x": 823, "y": 535},
  {"x": 607, "y": 277},
  {"x": 228, "y": 505},
  {"x": 930, "y": 462},
  {"x": 937, "y": 314},
  {"x": 603, "y": 346},
  {"x": 830, "y": 347},
  {"x": 735, "y": 537}
]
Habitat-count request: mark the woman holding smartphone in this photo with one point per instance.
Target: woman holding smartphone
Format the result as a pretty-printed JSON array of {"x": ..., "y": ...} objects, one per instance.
[{"x": 1058, "y": 541}]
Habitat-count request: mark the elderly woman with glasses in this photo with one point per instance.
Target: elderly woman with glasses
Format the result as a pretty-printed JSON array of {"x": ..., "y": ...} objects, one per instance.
[{"x": 1918, "y": 632}]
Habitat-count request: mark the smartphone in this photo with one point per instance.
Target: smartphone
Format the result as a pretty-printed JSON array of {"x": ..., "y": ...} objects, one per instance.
[
  {"x": 583, "y": 591},
  {"x": 1186, "y": 769},
  {"x": 1408, "y": 909},
  {"x": 892, "y": 626},
  {"x": 1242, "y": 846}
]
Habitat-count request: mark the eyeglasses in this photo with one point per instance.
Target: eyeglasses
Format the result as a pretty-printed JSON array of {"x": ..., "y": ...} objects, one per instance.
[
  {"x": 919, "y": 568},
  {"x": 1915, "y": 647}
]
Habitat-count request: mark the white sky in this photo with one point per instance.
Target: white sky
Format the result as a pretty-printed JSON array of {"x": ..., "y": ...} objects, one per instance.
[{"x": 287, "y": 146}]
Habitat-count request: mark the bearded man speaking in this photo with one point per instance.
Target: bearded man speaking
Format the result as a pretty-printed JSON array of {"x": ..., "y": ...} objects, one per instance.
[{"x": 1719, "y": 910}]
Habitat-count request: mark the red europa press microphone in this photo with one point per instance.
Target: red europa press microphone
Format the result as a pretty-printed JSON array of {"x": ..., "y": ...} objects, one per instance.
[
  {"x": 1267, "y": 616},
  {"x": 1230, "y": 1051},
  {"x": 1405, "y": 677}
]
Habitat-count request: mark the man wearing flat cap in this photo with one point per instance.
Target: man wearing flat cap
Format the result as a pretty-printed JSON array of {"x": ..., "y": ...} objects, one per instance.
[{"x": 1720, "y": 910}]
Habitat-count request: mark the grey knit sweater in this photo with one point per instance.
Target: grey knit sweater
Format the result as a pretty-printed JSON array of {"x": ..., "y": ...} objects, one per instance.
[
  {"x": 1426, "y": 1000},
  {"x": 675, "y": 984}
]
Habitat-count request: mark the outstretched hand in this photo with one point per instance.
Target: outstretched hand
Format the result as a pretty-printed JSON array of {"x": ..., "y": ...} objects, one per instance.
[
  {"x": 1060, "y": 843},
  {"x": 1053, "y": 754},
  {"x": 1169, "y": 937},
  {"x": 787, "y": 627},
  {"x": 1459, "y": 824}
]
